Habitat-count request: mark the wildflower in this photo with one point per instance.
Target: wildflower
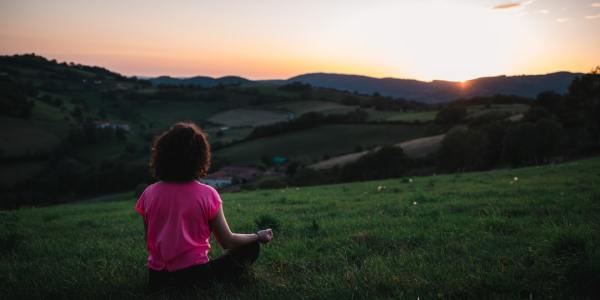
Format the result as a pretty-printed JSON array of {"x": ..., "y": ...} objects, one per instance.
[
  {"x": 516, "y": 178},
  {"x": 380, "y": 188},
  {"x": 414, "y": 202},
  {"x": 410, "y": 180}
]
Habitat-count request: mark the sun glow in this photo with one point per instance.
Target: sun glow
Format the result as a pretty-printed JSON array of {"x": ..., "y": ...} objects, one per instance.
[{"x": 427, "y": 40}]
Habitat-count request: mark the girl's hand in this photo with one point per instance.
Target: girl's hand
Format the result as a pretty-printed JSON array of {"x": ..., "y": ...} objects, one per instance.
[{"x": 265, "y": 236}]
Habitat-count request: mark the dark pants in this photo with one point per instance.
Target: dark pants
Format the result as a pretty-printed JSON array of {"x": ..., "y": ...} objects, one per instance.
[{"x": 228, "y": 268}]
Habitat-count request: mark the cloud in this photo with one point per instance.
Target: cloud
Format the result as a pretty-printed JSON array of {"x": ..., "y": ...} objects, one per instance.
[
  {"x": 510, "y": 4},
  {"x": 562, "y": 20},
  {"x": 596, "y": 4},
  {"x": 593, "y": 17},
  {"x": 544, "y": 11},
  {"x": 507, "y": 5}
]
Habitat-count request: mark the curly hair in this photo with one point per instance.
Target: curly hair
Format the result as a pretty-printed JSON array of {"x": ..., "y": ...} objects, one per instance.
[{"x": 180, "y": 154}]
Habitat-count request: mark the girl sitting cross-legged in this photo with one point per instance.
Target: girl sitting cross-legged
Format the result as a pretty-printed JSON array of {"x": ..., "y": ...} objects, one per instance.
[{"x": 180, "y": 213}]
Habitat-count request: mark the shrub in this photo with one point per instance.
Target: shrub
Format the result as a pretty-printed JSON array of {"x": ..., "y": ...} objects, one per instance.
[
  {"x": 386, "y": 162},
  {"x": 462, "y": 150},
  {"x": 451, "y": 114}
]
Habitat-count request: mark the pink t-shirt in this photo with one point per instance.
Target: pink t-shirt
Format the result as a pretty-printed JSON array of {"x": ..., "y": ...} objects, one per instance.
[{"x": 177, "y": 215}]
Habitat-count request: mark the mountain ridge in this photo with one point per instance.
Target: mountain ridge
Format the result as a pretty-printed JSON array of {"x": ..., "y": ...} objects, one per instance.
[{"x": 435, "y": 91}]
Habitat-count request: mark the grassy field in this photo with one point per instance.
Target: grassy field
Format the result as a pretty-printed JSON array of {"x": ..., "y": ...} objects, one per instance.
[
  {"x": 419, "y": 147},
  {"x": 475, "y": 111},
  {"x": 311, "y": 144},
  {"x": 520, "y": 233},
  {"x": 305, "y": 106},
  {"x": 248, "y": 117},
  {"x": 165, "y": 114},
  {"x": 390, "y": 116}
]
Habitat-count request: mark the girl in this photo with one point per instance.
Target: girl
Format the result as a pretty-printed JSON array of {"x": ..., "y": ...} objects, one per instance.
[{"x": 180, "y": 213}]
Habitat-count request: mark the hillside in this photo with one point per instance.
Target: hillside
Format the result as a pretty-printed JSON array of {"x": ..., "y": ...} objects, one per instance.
[
  {"x": 312, "y": 145},
  {"x": 82, "y": 130},
  {"x": 437, "y": 91},
  {"x": 203, "y": 81},
  {"x": 415, "y": 148},
  {"x": 520, "y": 233},
  {"x": 442, "y": 91}
]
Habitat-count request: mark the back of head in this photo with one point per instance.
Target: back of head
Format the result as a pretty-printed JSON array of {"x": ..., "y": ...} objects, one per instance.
[{"x": 180, "y": 154}]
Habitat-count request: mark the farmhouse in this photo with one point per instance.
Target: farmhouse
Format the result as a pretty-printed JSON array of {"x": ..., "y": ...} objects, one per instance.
[
  {"x": 216, "y": 181},
  {"x": 230, "y": 175},
  {"x": 111, "y": 125}
]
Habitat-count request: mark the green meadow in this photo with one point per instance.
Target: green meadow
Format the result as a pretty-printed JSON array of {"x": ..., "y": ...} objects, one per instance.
[
  {"x": 512, "y": 233},
  {"x": 311, "y": 145}
]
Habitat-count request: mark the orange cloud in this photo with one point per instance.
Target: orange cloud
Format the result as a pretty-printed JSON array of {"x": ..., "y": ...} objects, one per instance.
[{"x": 507, "y": 5}]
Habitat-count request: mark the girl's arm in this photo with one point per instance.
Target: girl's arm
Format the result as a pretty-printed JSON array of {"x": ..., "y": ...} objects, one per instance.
[{"x": 230, "y": 240}]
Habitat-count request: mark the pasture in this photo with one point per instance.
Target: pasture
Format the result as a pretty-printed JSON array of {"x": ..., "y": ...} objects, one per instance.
[
  {"x": 313, "y": 144},
  {"x": 513, "y": 233}
]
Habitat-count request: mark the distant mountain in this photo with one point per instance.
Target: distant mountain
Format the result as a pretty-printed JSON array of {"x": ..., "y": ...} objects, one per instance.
[
  {"x": 204, "y": 81},
  {"x": 442, "y": 91},
  {"x": 436, "y": 91}
]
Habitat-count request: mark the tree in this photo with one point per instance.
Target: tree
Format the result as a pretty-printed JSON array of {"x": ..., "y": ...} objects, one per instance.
[
  {"x": 584, "y": 95},
  {"x": 549, "y": 138},
  {"x": 386, "y": 162},
  {"x": 519, "y": 146},
  {"x": 451, "y": 114},
  {"x": 13, "y": 99},
  {"x": 494, "y": 135},
  {"x": 463, "y": 150}
]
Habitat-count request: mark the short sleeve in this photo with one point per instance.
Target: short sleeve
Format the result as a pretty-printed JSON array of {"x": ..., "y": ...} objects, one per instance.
[
  {"x": 140, "y": 206},
  {"x": 214, "y": 203}
]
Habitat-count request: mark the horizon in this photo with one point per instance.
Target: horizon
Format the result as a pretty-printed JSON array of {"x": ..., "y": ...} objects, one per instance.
[
  {"x": 288, "y": 78},
  {"x": 422, "y": 40}
]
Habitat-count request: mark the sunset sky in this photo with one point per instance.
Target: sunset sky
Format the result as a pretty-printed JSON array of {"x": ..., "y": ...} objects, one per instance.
[{"x": 424, "y": 39}]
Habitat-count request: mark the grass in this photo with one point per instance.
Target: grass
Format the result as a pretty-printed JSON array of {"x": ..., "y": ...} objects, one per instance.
[
  {"x": 300, "y": 107},
  {"x": 248, "y": 117},
  {"x": 475, "y": 111},
  {"x": 165, "y": 113},
  {"x": 310, "y": 145},
  {"x": 531, "y": 232},
  {"x": 410, "y": 116}
]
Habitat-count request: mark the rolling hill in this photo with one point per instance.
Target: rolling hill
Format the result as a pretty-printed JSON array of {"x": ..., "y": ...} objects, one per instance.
[
  {"x": 442, "y": 91},
  {"x": 53, "y": 111},
  {"x": 203, "y": 81},
  {"x": 505, "y": 234},
  {"x": 437, "y": 91}
]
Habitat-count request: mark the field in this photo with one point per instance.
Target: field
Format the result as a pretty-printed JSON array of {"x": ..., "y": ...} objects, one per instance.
[
  {"x": 419, "y": 147},
  {"x": 311, "y": 144},
  {"x": 475, "y": 111},
  {"x": 164, "y": 114},
  {"x": 391, "y": 116},
  {"x": 531, "y": 232},
  {"x": 305, "y": 106}
]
